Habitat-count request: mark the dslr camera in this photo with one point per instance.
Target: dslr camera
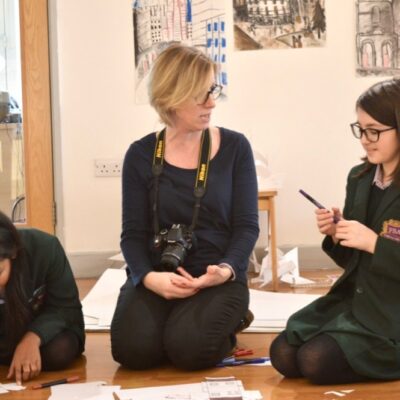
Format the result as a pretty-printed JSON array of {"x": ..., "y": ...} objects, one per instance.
[{"x": 175, "y": 242}]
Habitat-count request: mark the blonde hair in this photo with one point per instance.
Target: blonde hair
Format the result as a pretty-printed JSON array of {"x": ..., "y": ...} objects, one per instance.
[{"x": 179, "y": 72}]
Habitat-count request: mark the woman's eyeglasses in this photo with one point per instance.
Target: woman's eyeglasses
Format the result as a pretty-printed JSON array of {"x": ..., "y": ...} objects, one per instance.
[
  {"x": 215, "y": 91},
  {"x": 370, "y": 133}
]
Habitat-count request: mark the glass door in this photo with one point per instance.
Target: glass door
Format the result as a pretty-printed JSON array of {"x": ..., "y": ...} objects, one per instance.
[
  {"x": 26, "y": 162},
  {"x": 12, "y": 170}
]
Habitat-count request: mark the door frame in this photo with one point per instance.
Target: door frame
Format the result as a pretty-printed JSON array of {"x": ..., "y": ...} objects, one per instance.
[{"x": 36, "y": 114}]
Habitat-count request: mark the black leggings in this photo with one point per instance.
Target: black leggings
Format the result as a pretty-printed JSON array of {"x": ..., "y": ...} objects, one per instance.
[
  {"x": 55, "y": 355},
  {"x": 193, "y": 333},
  {"x": 320, "y": 360}
]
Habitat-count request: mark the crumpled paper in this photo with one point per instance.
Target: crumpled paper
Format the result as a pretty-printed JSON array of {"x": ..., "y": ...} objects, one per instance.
[{"x": 288, "y": 268}]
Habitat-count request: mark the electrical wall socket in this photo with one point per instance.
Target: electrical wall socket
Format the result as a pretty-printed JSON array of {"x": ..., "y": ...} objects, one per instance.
[{"x": 107, "y": 167}]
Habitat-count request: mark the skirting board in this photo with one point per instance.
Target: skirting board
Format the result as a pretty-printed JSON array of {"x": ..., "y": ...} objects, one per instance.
[{"x": 93, "y": 264}]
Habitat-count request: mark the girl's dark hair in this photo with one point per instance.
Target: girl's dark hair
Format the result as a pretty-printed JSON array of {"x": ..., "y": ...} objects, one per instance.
[
  {"x": 382, "y": 102},
  {"x": 17, "y": 313}
]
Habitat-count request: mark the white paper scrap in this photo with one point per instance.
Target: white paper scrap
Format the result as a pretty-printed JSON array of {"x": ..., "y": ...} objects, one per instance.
[
  {"x": 334, "y": 392},
  {"x": 12, "y": 387},
  {"x": 96, "y": 390}
]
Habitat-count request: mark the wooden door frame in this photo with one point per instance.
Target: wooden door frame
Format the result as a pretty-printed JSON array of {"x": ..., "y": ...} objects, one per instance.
[{"x": 36, "y": 114}]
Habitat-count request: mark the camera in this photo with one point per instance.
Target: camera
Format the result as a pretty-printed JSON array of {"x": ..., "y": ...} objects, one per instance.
[{"x": 177, "y": 242}]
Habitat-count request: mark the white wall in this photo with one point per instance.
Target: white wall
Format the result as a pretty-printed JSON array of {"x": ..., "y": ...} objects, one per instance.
[{"x": 294, "y": 105}]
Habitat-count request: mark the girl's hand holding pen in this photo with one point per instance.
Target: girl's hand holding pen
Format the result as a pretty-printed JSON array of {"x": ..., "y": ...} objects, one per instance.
[
  {"x": 326, "y": 220},
  {"x": 356, "y": 235}
]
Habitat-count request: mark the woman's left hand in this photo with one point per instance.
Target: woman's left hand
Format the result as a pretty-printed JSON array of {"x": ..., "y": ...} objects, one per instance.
[
  {"x": 214, "y": 276},
  {"x": 26, "y": 362},
  {"x": 356, "y": 235}
]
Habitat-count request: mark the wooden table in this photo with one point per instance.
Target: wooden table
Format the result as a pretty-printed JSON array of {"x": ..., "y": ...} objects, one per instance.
[{"x": 266, "y": 203}]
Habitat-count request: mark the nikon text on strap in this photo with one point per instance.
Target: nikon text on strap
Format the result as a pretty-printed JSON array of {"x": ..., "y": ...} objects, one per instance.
[{"x": 201, "y": 176}]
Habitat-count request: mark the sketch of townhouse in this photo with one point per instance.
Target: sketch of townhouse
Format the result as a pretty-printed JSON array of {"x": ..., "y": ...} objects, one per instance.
[
  {"x": 377, "y": 38},
  {"x": 261, "y": 24},
  {"x": 158, "y": 23}
]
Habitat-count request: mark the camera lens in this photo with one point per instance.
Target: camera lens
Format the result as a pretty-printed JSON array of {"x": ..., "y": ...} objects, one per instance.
[{"x": 173, "y": 256}]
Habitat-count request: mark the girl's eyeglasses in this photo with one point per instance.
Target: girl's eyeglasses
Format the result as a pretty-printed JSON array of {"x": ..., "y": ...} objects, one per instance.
[{"x": 370, "y": 133}]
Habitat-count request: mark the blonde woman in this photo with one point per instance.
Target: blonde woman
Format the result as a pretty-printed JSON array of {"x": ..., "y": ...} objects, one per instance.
[{"x": 190, "y": 222}]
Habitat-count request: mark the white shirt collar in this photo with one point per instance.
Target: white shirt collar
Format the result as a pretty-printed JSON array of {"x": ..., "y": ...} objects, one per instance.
[{"x": 378, "y": 179}]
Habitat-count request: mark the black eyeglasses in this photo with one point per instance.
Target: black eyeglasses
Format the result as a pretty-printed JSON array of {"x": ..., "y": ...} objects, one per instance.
[
  {"x": 215, "y": 91},
  {"x": 370, "y": 133}
]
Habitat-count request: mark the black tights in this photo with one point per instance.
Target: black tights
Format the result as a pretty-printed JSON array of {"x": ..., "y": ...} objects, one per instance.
[
  {"x": 55, "y": 355},
  {"x": 320, "y": 360},
  {"x": 60, "y": 352}
]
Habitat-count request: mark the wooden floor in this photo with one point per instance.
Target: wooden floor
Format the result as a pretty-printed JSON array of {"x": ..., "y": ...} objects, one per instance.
[{"x": 97, "y": 364}]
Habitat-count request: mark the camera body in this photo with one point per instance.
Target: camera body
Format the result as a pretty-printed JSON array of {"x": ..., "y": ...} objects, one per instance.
[{"x": 175, "y": 242}]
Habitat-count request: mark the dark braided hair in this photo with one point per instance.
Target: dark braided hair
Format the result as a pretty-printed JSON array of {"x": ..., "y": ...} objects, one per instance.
[{"x": 17, "y": 312}]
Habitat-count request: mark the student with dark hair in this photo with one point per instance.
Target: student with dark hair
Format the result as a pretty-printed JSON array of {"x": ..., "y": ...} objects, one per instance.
[
  {"x": 190, "y": 222},
  {"x": 41, "y": 322},
  {"x": 352, "y": 334}
]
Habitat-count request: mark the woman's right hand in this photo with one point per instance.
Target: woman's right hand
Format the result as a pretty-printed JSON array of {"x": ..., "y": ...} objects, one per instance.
[
  {"x": 325, "y": 220},
  {"x": 161, "y": 283}
]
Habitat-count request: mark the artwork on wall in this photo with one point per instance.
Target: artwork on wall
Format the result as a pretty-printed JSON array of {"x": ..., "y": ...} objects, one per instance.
[
  {"x": 274, "y": 24},
  {"x": 159, "y": 23},
  {"x": 377, "y": 37}
]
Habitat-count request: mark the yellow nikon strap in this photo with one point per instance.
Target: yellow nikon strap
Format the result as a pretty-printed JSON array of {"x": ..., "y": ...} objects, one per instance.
[{"x": 201, "y": 176}]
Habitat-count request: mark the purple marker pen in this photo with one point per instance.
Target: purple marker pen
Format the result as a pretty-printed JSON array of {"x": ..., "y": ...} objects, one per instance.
[{"x": 317, "y": 204}]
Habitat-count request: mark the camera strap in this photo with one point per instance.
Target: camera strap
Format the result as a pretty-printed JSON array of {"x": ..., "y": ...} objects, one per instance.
[{"x": 201, "y": 176}]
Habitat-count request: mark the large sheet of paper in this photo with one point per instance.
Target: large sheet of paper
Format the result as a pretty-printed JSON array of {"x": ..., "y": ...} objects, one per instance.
[
  {"x": 190, "y": 391},
  {"x": 271, "y": 310},
  {"x": 99, "y": 304}
]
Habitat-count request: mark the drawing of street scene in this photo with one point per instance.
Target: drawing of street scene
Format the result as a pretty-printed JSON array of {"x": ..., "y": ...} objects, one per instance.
[
  {"x": 159, "y": 23},
  {"x": 274, "y": 24}
]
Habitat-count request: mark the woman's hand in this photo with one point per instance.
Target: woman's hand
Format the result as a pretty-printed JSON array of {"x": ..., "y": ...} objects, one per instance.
[
  {"x": 214, "y": 276},
  {"x": 26, "y": 362},
  {"x": 356, "y": 235},
  {"x": 169, "y": 285},
  {"x": 325, "y": 220}
]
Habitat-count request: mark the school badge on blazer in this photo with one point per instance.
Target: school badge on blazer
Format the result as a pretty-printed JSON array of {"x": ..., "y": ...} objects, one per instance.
[
  {"x": 38, "y": 298},
  {"x": 391, "y": 230}
]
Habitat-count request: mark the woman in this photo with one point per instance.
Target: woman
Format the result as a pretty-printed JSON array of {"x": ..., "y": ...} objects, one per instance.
[
  {"x": 187, "y": 249},
  {"x": 41, "y": 322},
  {"x": 352, "y": 334}
]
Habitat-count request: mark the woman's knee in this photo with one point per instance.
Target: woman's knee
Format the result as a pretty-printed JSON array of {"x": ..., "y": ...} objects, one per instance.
[
  {"x": 193, "y": 351},
  {"x": 136, "y": 355},
  {"x": 136, "y": 346}
]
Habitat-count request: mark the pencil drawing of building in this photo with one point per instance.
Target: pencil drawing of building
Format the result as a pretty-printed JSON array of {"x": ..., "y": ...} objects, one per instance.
[
  {"x": 377, "y": 39},
  {"x": 269, "y": 11}
]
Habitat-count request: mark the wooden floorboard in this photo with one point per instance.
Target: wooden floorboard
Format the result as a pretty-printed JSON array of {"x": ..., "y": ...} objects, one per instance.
[{"x": 97, "y": 364}]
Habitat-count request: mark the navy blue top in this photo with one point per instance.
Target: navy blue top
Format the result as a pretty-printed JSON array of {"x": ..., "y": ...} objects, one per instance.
[{"x": 227, "y": 227}]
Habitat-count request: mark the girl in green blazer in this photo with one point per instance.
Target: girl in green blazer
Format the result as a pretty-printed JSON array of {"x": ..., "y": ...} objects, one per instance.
[
  {"x": 352, "y": 334},
  {"x": 41, "y": 322}
]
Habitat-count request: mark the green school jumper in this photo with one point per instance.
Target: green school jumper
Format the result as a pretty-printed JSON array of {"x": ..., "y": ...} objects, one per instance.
[
  {"x": 51, "y": 288},
  {"x": 362, "y": 309}
]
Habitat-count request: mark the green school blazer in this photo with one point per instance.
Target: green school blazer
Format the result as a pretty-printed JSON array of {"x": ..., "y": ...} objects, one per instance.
[
  {"x": 51, "y": 288},
  {"x": 370, "y": 284}
]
